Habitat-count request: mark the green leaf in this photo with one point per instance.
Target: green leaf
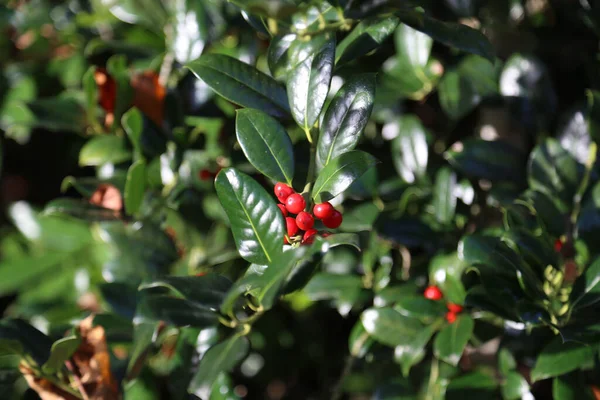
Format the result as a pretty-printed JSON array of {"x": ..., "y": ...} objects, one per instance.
[
  {"x": 222, "y": 357},
  {"x": 593, "y": 121},
  {"x": 207, "y": 290},
  {"x": 368, "y": 35},
  {"x": 359, "y": 341},
  {"x": 451, "y": 34},
  {"x": 308, "y": 83},
  {"x": 586, "y": 290},
  {"x": 266, "y": 144},
  {"x": 345, "y": 118},
  {"x": 279, "y": 56},
  {"x": 558, "y": 358},
  {"x": 416, "y": 306},
  {"x": 552, "y": 170},
  {"x": 463, "y": 88},
  {"x": 176, "y": 311},
  {"x": 143, "y": 336},
  {"x": 444, "y": 196},
  {"x": 412, "y": 47},
  {"x": 135, "y": 186},
  {"x": 104, "y": 149},
  {"x": 472, "y": 386},
  {"x": 339, "y": 174},
  {"x": 446, "y": 272},
  {"x": 241, "y": 83},
  {"x": 189, "y": 30},
  {"x": 79, "y": 209},
  {"x": 390, "y": 327},
  {"x": 409, "y": 149},
  {"x": 323, "y": 286},
  {"x": 17, "y": 336},
  {"x": 515, "y": 387},
  {"x": 256, "y": 221},
  {"x": 450, "y": 343},
  {"x": 413, "y": 350},
  {"x": 61, "y": 351},
  {"x": 571, "y": 387},
  {"x": 491, "y": 160},
  {"x": 16, "y": 274},
  {"x": 223, "y": 389},
  {"x": 133, "y": 123}
]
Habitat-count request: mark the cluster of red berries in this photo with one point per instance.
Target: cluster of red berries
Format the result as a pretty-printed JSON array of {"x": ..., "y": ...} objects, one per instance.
[
  {"x": 434, "y": 293},
  {"x": 294, "y": 203}
]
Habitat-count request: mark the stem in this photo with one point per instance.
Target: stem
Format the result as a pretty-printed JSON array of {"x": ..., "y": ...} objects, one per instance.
[
  {"x": 337, "y": 390},
  {"x": 433, "y": 376},
  {"x": 310, "y": 177},
  {"x": 584, "y": 184},
  {"x": 76, "y": 379}
]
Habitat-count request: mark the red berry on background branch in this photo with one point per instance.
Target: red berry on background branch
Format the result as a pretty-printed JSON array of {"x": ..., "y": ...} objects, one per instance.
[
  {"x": 282, "y": 192},
  {"x": 455, "y": 308},
  {"x": 295, "y": 203},
  {"x": 334, "y": 220},
  {"x": 323, "y": 210},
  {"x": 450, "y": 317},
  {"x": 305, "y": 221},
  {"x": 433, "y": 293},
  {"x": 558, "y": 245},
  {"x": 282, "y": 209},
  {"x": 205, "y": 175},
  {"x": 309, "y": 236}
]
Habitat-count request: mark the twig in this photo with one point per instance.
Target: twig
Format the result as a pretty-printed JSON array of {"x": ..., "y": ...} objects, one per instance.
[
  {"x": 76, "y": 379},
  {"x": 337, "y": 390}
]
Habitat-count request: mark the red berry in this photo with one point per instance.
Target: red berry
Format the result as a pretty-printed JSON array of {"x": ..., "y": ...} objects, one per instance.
[
  {"x": 325, "y": 234},
  {"x": 558, "y": 245},
  {"x": 334, "y": 220},
  {"x": 292, "y": 228},
  {"x": 455, "y": 308},
  {"x": 309, "y": 236},
  {"x": 305, "y": 221},
  {"x": 432, "y": 293},
  {"x": 295, "y": 203},
  {"x": 283, "y": 210},
  {"x": 282, "y": 192},
  {"x": 205, "y": 175},
  {"x": 323, "y": 210},
  {"x": 450, "y": 317}
]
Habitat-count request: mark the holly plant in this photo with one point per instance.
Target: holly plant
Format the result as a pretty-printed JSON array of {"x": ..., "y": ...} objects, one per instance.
[{"x": 284, "y": 199}]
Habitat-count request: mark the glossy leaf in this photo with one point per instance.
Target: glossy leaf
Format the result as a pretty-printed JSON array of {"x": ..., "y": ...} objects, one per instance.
[
  {"x": 104, "y": 149},
  {"x": 368, "y": 35},
  {"x": 390, "y": 327},
  {"x": 135, "y": 186},
  {"x": 450, "y": 343},
  {"x": 323, "y": 286},
  {"x": 586, "y": 290},
  {"x": 339, "y": 174},
  {"x": 412, "y": 47},
  {"x": 61, "y": 351},
  {"x": 207, "y": 290},
  {"x": 413, "y": 350},
  {"x": 462, "y": 89},
  {"x": 515, "y": 387},
  {"x": 410, "y": 151},
  {"x": 345, "y": 118},
  {"x": 279, "y": 56},
  {"x": 256, "y": 221},
  {"x": 359, "y": 341},
  {"x": 554, "y": 171},
  {"x": 571, "y": 387},
  {"x": 176, "y": 311},
  {"x": 451, "y": 34},
  {"x": 266, "y": 144},
  {"x": 220, "y": 358},
  {"x": 308, "y": 83},
  {"x": 444, "y": 196},
  {"x": 241, "y": 83},
  {"x": 189, "y": 29},
  {"x": 558, "y": 358},
  {"x": 494, "y": 161},
  {"x": 133, "y": 123}
]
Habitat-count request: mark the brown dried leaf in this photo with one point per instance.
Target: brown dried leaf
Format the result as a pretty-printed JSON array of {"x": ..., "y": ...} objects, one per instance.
[{"x": 44, "y": 388}]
